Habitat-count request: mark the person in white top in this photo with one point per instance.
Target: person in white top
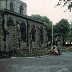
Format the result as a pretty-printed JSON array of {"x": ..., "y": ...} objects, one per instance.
[{"x": 56, "y": 49}]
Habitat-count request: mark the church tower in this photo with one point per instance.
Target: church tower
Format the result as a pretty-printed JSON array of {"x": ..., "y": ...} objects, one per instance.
[{"x": 14, "y": 5}]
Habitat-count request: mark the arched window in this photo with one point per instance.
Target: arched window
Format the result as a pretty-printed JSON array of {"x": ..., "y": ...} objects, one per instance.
[
  {"x": 23, "y": 31},
  {"x": 41, "y": 34},
  {"x": 33, "y": 30},
  {"x": 12, "y": 6},
  {"x": 10, "y": 22},
  {"x": 21, "y": 9}
]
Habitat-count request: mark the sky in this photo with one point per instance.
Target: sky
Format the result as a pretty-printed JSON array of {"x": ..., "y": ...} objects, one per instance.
[{"x": 48, "y": 8}]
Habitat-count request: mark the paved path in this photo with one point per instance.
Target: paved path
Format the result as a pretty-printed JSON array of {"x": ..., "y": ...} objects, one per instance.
[{"x": 62, "y": 63}]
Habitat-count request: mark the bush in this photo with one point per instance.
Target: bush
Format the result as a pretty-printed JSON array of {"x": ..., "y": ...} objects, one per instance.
[
  {"x": 28, "y": 53},
  {"x": 69, "y": 49}
]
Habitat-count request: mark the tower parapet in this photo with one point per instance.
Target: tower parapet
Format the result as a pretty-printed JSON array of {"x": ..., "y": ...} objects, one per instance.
[{"x": 14, "y": 5}]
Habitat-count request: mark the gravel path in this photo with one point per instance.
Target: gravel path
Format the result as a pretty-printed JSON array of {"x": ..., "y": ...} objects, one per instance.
[{"x": 62, "y": 63}]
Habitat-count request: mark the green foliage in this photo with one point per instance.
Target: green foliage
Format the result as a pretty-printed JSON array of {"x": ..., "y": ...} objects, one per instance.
[
  {"x": 70, "y": 34},
  {"x": 10, "y": 22},
  {"x": 34, "y": 52},
  {"x": 40, "y": 18},
  {"x": 67, "y": 3},
  {"x": 61, "y": 29}
]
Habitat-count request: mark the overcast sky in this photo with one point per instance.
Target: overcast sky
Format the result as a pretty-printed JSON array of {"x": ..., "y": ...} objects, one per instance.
[{"x": 47, "y": 8}]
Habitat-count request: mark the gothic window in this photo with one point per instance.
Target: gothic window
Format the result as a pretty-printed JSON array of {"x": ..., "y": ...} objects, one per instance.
[
  {"x": 21, "y": 9},
  {"x": 23, "y": 31},
  {"x": 33, "y": 30},
  {"x": 41, "y": 34},
  {"x": 11, "y": 6},
  {"x": 10, "y": 22}
]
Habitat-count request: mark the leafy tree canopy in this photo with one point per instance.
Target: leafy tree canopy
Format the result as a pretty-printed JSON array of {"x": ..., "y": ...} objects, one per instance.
[
  {"x": 62, "y": 27},
  {"x": 67, "y": 3},
  {"x": 40, "y": 18},
  {"x": 70, "y": 34}
]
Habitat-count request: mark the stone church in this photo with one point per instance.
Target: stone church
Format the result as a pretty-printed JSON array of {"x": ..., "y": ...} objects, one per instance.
[{"x": 17, "y": 30}]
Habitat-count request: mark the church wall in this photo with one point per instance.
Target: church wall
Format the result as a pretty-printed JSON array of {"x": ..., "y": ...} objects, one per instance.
[
  {"x": 37, "y": 43},
  {"x": 34, "y": 43},
  {"x": 13, "y": 33},
  {"x": 13, "y": 38},
  {"x": 0, "y": 31},
  {"x": 2, "y": 35},
  {"x": 17, "y": 30},
  {"x": 45, "y": 39}
]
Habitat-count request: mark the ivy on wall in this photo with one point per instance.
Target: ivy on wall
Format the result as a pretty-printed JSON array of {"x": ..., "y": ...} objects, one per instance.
[{"x": 10, "y": 22}]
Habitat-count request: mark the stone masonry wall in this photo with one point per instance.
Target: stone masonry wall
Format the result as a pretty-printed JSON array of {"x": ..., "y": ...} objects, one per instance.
[{"x": 21, "y": 32}]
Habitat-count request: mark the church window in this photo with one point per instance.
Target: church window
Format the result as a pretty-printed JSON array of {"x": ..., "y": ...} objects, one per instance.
[
  {"x": 21, "y": 9},
  {"x": 41, "y": 34},
  {"x": 23, "y": 31},
  {"x": 33, "y": 30},
  {"x": 11, "y": 6}
]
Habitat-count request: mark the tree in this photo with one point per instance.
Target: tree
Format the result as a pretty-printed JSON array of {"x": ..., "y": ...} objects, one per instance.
[
  {"x": 46, "y": 21},
  {"x": 67, "y": 3},
  {"x": 40, "y": 18},
  {"x": 61, "y": 29},
  {"x": 70, "y": 34}
]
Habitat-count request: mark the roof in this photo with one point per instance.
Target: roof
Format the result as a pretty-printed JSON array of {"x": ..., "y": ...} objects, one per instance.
[{"x": 6, "y": 11}]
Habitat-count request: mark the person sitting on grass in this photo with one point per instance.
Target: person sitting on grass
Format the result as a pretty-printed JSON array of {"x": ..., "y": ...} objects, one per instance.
[{"x": 56, "y": 50}]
